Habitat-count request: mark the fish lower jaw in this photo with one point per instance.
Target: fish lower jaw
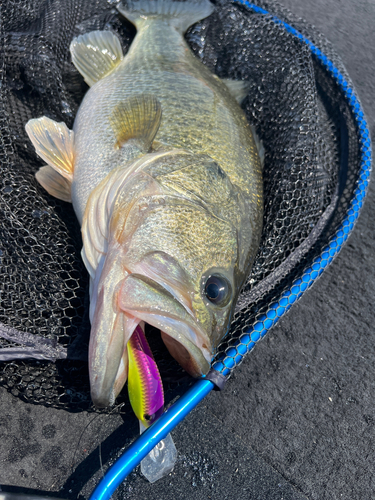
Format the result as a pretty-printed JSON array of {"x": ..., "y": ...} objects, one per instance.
[{"x": 101, "y": 401}]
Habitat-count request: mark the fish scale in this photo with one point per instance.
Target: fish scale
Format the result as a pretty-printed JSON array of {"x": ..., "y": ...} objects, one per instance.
[{"x": 198, "y": 112}]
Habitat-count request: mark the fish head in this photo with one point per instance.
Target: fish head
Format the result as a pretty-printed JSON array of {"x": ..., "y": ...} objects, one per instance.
[
  {"x": 191, "y": 311},
  {"x": 175, "y": 260}
]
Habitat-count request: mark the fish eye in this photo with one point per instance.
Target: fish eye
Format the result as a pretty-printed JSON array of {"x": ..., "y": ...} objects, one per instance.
[{"x": 217, "y": 290}]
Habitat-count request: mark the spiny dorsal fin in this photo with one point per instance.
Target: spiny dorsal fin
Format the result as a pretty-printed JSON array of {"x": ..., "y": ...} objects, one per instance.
[
  {"x": 53, "y": 142},
  {"x": 237, "y": 88},
  {"x": 181, "y": 15},
  {"x": 54, "y": 183},
  {"x": 259, "y": 145},
  {"x": 96, "y": 54},
  {"x": 137, "y": 120}
]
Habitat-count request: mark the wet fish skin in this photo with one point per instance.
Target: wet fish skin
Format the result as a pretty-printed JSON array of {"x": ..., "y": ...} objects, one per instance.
[
  {"x": 199, "y": 114},
  {"x": 167, "y": 212}
]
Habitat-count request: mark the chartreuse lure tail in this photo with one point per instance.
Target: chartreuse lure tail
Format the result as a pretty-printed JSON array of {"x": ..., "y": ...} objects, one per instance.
[{"x": 147, "y": 399}]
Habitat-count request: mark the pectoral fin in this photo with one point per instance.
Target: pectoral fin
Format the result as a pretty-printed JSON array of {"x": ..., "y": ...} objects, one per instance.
[
  {"x": 137, "y": 119},
  {"x": 54, "y": 143},
  {"x": 96, "y": 54}
]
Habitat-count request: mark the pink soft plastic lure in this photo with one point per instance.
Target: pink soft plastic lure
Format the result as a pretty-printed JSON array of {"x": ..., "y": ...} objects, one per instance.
[{"x": 144, "y": 382}]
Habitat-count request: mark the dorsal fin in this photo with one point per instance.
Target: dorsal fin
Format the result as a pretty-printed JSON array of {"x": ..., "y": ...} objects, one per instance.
[
  {"x": 137, "y": 120},
  {"x": 96, "y": 54},
  {"x": 237, "y": 88},
  {"x": 259, "y": 145}
]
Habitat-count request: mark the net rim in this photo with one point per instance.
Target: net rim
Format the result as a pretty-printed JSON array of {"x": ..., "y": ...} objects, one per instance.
[{"x": 247, "y": 341}]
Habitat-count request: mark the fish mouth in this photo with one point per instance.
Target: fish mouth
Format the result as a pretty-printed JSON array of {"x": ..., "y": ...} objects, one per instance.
[
  {"x": 147, "y": 301},
  {"x": 140, "y": 299}
]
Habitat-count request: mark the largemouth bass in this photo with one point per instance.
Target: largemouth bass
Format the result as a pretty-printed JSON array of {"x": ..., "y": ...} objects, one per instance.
[{"x": 165, "y": 178}]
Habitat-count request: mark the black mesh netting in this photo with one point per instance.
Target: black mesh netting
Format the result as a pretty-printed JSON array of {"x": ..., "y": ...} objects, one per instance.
[{"x": 312, "y": 162}]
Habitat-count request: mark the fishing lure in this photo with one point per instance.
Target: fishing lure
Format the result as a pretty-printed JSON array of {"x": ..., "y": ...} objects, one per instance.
[
  {"x": 146, "y": 396},
  {"x": 145, "y": 387}
]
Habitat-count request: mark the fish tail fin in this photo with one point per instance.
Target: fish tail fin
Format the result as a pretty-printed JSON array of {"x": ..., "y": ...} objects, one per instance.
[{"x": 181, "y": 15}]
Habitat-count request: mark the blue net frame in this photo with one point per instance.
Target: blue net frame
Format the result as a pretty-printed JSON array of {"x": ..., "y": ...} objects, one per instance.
[{"x": 247, "y": 341}]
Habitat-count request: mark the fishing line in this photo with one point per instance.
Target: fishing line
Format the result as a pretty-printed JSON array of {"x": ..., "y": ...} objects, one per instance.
[{"x": 113, "y": 410}]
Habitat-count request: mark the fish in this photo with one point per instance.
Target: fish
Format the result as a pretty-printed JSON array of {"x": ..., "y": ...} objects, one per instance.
[{"x": 165, "y": 177}]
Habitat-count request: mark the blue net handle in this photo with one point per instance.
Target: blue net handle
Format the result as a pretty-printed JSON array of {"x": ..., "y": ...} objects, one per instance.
[{"x": 246, "y": 342}]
